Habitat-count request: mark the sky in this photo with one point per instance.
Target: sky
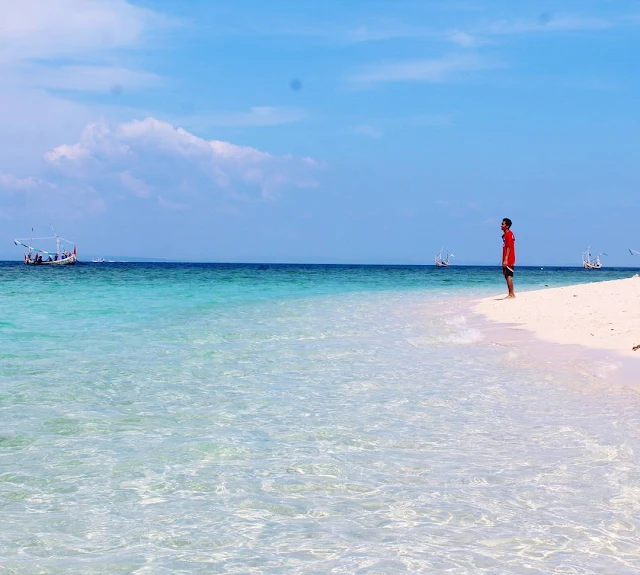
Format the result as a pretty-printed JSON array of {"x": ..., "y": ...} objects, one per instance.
[{"x": 368, "y": 131}]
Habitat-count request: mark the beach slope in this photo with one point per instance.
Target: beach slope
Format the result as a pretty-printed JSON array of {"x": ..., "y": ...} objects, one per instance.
[{"x": 603, "y": 315}]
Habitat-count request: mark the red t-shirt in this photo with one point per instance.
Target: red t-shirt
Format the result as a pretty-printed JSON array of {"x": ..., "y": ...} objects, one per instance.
[{"x": 509, "y": 241}]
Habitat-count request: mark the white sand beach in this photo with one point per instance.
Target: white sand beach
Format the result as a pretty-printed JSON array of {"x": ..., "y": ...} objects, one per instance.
[{"x": 603, "y": 315}]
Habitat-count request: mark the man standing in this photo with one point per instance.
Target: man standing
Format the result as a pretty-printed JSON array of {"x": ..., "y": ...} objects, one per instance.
[{"x": 508, "y": 254}]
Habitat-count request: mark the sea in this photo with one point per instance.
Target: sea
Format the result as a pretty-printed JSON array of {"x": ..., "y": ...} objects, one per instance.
[{"x": 163, "y": 418}]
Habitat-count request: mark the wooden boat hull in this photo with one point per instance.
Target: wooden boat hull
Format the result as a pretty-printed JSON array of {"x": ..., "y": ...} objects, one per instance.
[{"x": 69, "y": 261}]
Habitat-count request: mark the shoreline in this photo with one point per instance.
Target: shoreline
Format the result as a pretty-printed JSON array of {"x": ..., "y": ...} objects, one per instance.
[{"x": 593, "y": 326}]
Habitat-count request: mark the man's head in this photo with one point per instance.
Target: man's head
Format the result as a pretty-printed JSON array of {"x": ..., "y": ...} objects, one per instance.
[{"x": 505, "y": 225}]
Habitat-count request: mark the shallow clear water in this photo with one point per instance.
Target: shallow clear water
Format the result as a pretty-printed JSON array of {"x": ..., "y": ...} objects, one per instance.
[{"x": 181, "y": 418}]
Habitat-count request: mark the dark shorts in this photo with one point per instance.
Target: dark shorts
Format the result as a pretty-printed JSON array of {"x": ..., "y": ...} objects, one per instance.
[{"x": 507, "y": 271}]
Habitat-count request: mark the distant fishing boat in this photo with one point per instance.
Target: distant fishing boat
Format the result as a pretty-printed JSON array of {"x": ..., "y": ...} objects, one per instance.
[
  {"x": 97, "y": 261},
  {"x": 444, "y": 262},
  {"x": 591, "y": 262},
  {"x": 63, "y": 255}
]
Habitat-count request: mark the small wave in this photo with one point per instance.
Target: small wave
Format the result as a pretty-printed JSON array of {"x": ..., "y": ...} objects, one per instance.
[
  {"x": 602, "y": 370},
  {"x": 463, "y": 337}
]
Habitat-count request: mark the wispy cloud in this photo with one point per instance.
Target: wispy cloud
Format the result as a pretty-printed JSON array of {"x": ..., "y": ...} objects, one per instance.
[
  {"x": 438, "y": 70},
  {"x": 591, "y": 85},
  {"x": 424, "y": 120},
  {"x": 368, "y": 131},
  {"x": 376, "y": 129},
  {"x": 465, "y": 27},
  {"x": 464, "y": 39},
  {"x": 255, "y": 116},
  {"x": 93, "y": 78},
  {"x": 547, "y": 22},
  {"x": 384, "y": 31}
]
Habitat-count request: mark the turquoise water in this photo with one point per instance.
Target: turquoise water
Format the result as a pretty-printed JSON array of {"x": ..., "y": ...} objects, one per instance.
[{"x": 183, "y": 418}]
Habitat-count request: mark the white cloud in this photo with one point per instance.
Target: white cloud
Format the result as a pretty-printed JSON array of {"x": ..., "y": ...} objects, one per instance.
[
  {"x": 73, "y": 152},
  {"x": 11, "y": 183},
  {"x": 65, "y": 45},
  {"x": 33, "y": 195},
  {"x": 75, "y": 45},
  {"x": 149, "y": 156},
  {"x": 135, "y": 185},
  {"x": 174, "y": 206},
  {"x": 447, "y": 69},
  {"x": 69, "y": 28}
]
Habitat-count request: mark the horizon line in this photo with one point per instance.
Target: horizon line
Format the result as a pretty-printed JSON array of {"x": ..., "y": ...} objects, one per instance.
[{"x": 141, "y": 260}]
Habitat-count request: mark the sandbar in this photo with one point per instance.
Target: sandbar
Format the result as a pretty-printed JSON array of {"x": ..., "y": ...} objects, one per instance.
[{"x": 601, "y": 315}]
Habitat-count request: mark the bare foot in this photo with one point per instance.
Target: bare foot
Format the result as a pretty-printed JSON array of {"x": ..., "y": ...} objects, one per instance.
[{"x": 511, "y": 296}]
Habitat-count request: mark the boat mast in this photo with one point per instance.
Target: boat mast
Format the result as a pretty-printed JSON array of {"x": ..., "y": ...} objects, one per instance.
[{"x": 57, "y": 241}]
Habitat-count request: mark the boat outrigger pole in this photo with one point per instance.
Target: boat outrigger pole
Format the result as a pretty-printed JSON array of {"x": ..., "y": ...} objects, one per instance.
[{"x": 19, "y": 243}]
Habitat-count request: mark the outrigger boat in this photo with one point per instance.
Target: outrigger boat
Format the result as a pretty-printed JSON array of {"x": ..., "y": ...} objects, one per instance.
[
  {"x": 591, "y": 262},
  {"x": 37, "y": 257},
  {"x": 443, "y": 262}
]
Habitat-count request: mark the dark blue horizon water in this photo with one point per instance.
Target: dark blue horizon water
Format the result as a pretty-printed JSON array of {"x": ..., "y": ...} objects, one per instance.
[{"x": 407, "y": 274}]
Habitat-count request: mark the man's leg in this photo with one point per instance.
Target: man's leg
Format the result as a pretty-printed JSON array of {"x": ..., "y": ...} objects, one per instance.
[
  {"x": 510, "y": 286},
  {"x": 508, "y": 276}
]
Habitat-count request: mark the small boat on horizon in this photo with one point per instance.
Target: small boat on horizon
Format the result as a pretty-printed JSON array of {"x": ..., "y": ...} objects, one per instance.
[
  {"x": 62, "y": 256},
  {"x": 591, "y": 262},
  {"x": 97, "y": 261},
  {"x": 444, "y": 262}
]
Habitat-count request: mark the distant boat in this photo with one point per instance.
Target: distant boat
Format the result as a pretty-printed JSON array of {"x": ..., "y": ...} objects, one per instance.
[
  {"x": 444, "y": 261},
  {"x": 591, "y": 262},
  {"x": 97, "y": 261},
  {"x": 61, "y": 256}
]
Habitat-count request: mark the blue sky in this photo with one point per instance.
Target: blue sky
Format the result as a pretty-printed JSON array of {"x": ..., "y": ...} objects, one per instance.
[{"x": 362, "y": 131}]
